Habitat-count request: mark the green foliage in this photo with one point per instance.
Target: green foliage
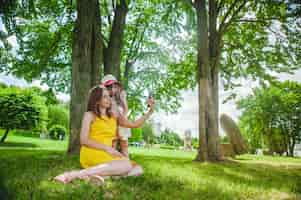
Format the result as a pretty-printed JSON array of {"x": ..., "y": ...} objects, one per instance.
[
  {"x": 268, "y": 41},
  {"x": 48, "y": 94},
  {"x": 58, "y": 114},
  {"x": 224, "y": 139},
  {"x": 195, "y": 143},
  {"x": 136, "y": 135},
  {"x": 57, "y": 132},
  {"x": 45, "y": 48},
  {"x": 3, "y": 85},
  {"x": 271, "y": 116},
  {"x": 44, "y": 41},
  {"x": 50, "y": 97},
  {"x": 148, "y": 133},
  {"x": 22, "y": 109},
  {"x": 171, "y": 138}
]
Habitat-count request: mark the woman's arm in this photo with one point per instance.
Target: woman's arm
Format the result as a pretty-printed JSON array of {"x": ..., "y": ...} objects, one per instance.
[
  {"x": 84, "y": 136},
  {"x": 135, "y": 124}
]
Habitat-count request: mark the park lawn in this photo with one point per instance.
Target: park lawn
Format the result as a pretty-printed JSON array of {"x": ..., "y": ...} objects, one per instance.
[{"x": 28, "y": 164}]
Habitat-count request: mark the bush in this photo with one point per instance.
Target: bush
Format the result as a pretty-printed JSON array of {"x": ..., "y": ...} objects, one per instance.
[
  {"x": 48, "y": 94},
  {"x": 148, "y": 134},
  {"x": 57, "y": 132},
  {"x": 195, "y": 143},
  {"x": 170, "y": 138},
  {"x": 21, "y": 109},
  {"x": 58, "y": 115}
]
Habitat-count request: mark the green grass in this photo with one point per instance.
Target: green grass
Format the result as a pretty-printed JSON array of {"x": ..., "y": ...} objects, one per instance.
[{"x": 28, "y": 164}]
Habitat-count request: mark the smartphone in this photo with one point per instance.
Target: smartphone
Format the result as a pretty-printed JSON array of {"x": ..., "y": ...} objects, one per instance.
[{"x": 150, "y": 95}]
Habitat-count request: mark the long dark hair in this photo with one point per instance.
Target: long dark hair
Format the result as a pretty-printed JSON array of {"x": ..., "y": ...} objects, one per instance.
[{"x": 95, "y": 95}]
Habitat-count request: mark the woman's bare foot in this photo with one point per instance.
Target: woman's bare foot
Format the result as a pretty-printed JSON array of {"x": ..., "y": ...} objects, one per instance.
[
  {"x": 135, "y": 171},
  {"x": 65, "y": 177}
]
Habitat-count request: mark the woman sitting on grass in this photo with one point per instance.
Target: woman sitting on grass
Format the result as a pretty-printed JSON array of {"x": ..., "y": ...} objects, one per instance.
[{"x": 99, "y": 126}]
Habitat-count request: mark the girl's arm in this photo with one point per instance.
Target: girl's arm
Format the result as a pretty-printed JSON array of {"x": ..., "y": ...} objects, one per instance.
[
  {"x": 135, "y": 124},
  {"x": 86, "y": 141},
  {"x": 124, "y": 103}
]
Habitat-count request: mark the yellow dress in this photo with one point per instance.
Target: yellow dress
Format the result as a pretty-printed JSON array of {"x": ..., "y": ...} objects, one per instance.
[{"x": 102, "y": 130}]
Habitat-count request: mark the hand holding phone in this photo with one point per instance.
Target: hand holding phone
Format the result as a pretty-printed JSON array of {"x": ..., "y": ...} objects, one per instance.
[
  {"x": 151, "y": 102},
  {"x": 150, "y": 96}
]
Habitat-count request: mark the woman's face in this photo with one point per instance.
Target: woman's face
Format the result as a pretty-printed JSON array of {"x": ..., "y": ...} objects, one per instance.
[{"x": 105, "y": 101}]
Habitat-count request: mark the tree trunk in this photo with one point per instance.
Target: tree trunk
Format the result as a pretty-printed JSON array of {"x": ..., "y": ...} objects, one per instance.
[
  {"x": 86, "y": 63},
  {"x": 4, "y": 136},
  {"x": 112, "y": 54},
  {"x": 213, "y": 141},
  {"x": 208, "y": 85},
  {"x": 203, "y": 70}
]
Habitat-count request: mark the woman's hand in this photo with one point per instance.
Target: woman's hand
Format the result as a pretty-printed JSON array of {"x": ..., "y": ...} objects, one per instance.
[
  {"x": 151, "y": 104},
  {"x": 113, "y": 152}
]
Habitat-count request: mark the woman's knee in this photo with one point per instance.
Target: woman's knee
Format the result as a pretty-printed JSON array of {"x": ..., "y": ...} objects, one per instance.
[
  {"x": 123, "y": 165},
  {"x": 127, "y": 165}
]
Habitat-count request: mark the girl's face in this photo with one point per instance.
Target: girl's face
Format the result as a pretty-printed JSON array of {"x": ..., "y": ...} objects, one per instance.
[
  {"x": 114, "y": 89},
  {"x": 105, "y": 101}
]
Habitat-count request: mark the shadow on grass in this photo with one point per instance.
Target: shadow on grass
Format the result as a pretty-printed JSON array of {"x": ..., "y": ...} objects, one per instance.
[
  {"x": 263, "y": 176},
  {"x": 30, "y": 178},
  {"x": 28, "y": 175},
  {"x": 18, "y": 144},
  {"x": 240, "y": 158}
]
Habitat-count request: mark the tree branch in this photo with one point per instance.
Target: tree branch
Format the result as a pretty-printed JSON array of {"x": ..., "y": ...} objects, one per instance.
[
  {"x": 109, "y": 15},
  {"x": 104, "y": 41},
  {"x": 232, "y": 6},
  {"x": 224, "y": 26},
  {"x": 257, "y": 20},
  {"x": 220, "y": 6}
]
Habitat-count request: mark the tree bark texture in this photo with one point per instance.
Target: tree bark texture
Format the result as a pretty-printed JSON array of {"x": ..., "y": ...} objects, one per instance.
[
  {"x": 207, "y": 67},
  {"x": 112, "y": 53},
  {"x": 86, "y": 64}
]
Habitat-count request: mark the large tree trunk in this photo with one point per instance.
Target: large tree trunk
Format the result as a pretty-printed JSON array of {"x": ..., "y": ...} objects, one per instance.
[
  {"x": 213, "y": 141},
  {"x": 203, "y": 70},
  {"x": 112, "y": 54},
  {"x": 4, "y": 136},
  {"x": 86, "y": 63},
  {"x": 208, "y": 83}
]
